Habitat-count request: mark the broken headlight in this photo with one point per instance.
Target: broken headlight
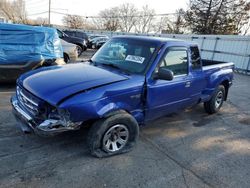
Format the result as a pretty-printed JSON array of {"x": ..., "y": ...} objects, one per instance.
[{"x": 62, "y": 117}]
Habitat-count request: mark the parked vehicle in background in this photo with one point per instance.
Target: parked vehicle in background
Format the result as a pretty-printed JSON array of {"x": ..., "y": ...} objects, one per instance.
[
  {"x": 98, "y": 44},
  {"x": 78, "y": 34},
  {"x": 92, "y": 42},
  {"x": 81, "y": 43},
  {"x": 129, "y": 81},
  {"x": 92, "y": 36},
  {"x": 70, "y": 53},
  {"x": 24, "y": 48}
]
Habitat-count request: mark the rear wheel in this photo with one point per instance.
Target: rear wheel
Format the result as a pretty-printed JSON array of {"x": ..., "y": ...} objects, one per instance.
[
  {"x": 216, "y": 102},
  {"x": 79, "y": 50},
  {"x": 113, "y": 135}
]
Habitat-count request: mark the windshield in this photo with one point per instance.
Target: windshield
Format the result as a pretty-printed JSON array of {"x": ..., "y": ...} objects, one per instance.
[{"x": 130, "y": 55}]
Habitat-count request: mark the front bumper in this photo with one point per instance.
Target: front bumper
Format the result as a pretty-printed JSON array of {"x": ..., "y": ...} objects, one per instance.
[{"x": 48, "y": 127}]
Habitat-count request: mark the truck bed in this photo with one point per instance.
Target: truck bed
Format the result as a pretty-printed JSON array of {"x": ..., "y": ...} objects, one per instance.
[
  {"x": 206, "y": 62},
  {"x": 209, "y": 65}
]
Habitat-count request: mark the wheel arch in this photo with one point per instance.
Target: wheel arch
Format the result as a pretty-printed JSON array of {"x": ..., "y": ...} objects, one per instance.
[
  {"x": 115, "y": 108},
  {"x": 226, "y": 85},
  {"x": 65, "y": 55},
  {"x": 81, "y": 45},
  {"x": 114, "y": 112}
]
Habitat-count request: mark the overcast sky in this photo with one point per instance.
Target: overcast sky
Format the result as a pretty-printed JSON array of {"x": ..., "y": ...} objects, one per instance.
[{"x": 92, "y": 7}]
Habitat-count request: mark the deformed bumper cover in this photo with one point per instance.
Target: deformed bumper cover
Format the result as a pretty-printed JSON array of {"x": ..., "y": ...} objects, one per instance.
[{"x": 47, "y": 127}]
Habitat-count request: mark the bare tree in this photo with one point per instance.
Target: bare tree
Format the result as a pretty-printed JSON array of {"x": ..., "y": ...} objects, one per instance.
[
  {"x": 38, "y": 21},
  {"x": 74, "y": 21},
  {"x": 174, "y": 23},
  {"x": 245, "y": 28},
  {"x": 241, "y": 17},
  {"x": 179, "y": 22},
  {"x": 14, "y": 11},
  {"x": 109, "y": 19},
  {"x": 127, "y": 18},
  {"x": 128, "y": 15},
  {"x": 164, "y": 25},
  {"x": 217, "y": 16},
  {"x": 144, "y": 23}
]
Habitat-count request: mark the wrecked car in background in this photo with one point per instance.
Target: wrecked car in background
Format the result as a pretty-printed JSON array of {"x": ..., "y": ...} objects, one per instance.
[
  {"x": 78, "y": 34},
  {"x": 25, "y": 48},
  {"x": 93, "y": 40},
  {"x": 81, "y": 43},
  {"x": 70, "y": 53},
  {"x": 98, "y": 43}
]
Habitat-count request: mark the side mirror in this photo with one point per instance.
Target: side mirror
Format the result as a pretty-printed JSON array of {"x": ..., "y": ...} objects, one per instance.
[{"x": 164, "y": 74}]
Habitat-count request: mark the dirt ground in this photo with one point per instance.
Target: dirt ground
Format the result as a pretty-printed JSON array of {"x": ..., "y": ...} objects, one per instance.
[{"x": 186, "y": 149}]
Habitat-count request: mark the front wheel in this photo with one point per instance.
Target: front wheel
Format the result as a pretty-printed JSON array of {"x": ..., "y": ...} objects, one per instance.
[
  {"x": 113, "y": 135},
  {"x": 215, "y": 103},
  {"x": 66, "y": 58}
]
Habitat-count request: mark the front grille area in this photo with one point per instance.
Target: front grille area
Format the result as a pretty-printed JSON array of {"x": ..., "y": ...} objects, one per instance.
[{"x": 27, "y": 101}]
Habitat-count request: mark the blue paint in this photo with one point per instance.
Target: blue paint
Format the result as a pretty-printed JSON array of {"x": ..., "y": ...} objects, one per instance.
[{"x": 90, "y": 92}]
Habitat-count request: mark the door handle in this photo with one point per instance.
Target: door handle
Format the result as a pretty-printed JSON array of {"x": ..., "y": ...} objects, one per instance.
[{"x": 188, "y": 84}]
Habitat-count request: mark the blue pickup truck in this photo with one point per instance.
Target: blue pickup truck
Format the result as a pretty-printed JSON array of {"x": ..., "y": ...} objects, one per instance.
[{"x": 128, "y": 82}]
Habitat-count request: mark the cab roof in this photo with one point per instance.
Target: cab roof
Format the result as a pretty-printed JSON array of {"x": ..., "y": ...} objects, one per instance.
[{"x": 158, "y": 40}]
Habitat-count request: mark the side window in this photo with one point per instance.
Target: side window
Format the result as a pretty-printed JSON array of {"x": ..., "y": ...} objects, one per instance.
[
  {"x": 176, "y": 61},
  {"x": 195, "y": 57}
]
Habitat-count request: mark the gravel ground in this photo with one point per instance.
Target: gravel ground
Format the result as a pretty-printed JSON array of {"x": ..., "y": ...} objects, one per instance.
[{"x": 186, "y": 149}]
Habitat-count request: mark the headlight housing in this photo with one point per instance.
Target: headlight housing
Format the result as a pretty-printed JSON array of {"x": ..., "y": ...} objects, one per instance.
[
  {"x": 59, "y": 114},
  {"x": 59, "y": 119}
]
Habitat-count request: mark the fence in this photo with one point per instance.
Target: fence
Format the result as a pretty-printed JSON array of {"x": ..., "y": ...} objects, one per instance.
[{"x": 214, "y": 47}]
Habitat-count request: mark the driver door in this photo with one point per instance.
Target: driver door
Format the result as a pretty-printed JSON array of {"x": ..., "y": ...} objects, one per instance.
[{"x": 164, "y": 96}]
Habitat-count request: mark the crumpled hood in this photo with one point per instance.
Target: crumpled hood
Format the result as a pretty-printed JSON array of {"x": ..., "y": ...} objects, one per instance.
[{"x": 55, "y": 83}]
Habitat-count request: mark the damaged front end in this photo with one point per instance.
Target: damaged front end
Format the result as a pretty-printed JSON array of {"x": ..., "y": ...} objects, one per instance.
[
  {"x": 36, "y": 115},
  {"x": 58, "y": 121}
]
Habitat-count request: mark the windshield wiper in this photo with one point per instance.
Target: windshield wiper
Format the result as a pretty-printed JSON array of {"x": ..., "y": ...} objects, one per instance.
[
  {"x": 116, "y": 67},
  {"x": 111, "y": 65}
]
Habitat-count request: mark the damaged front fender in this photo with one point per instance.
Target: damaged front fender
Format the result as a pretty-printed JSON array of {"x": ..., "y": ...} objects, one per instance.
[
  {"x": 48, "y": 126},
  {"x": 57, "y": 126}
]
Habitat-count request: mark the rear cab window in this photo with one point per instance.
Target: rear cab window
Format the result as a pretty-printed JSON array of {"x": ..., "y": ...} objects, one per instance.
[{"x": 195, "y": 58}]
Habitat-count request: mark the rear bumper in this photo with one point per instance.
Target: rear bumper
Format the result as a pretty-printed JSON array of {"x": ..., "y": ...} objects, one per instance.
[
  {"x": 48, "y": 127},
  {"x": 73, "y": 56}
]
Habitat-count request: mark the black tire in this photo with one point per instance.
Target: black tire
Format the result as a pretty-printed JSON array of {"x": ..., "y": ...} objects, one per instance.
[
  {"x": 79, "y": 50},
  {"x": 99, "y": 129},
  {"x": 66, "y": 58},
  {"x": 213, "y": 106}
]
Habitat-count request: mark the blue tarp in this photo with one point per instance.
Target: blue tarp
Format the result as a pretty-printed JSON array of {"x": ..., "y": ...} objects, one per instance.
[{"x": 22, "y": 43}]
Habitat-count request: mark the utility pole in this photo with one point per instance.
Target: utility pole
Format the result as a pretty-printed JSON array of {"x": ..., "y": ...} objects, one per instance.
[{"x": 49, "y": 11}]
